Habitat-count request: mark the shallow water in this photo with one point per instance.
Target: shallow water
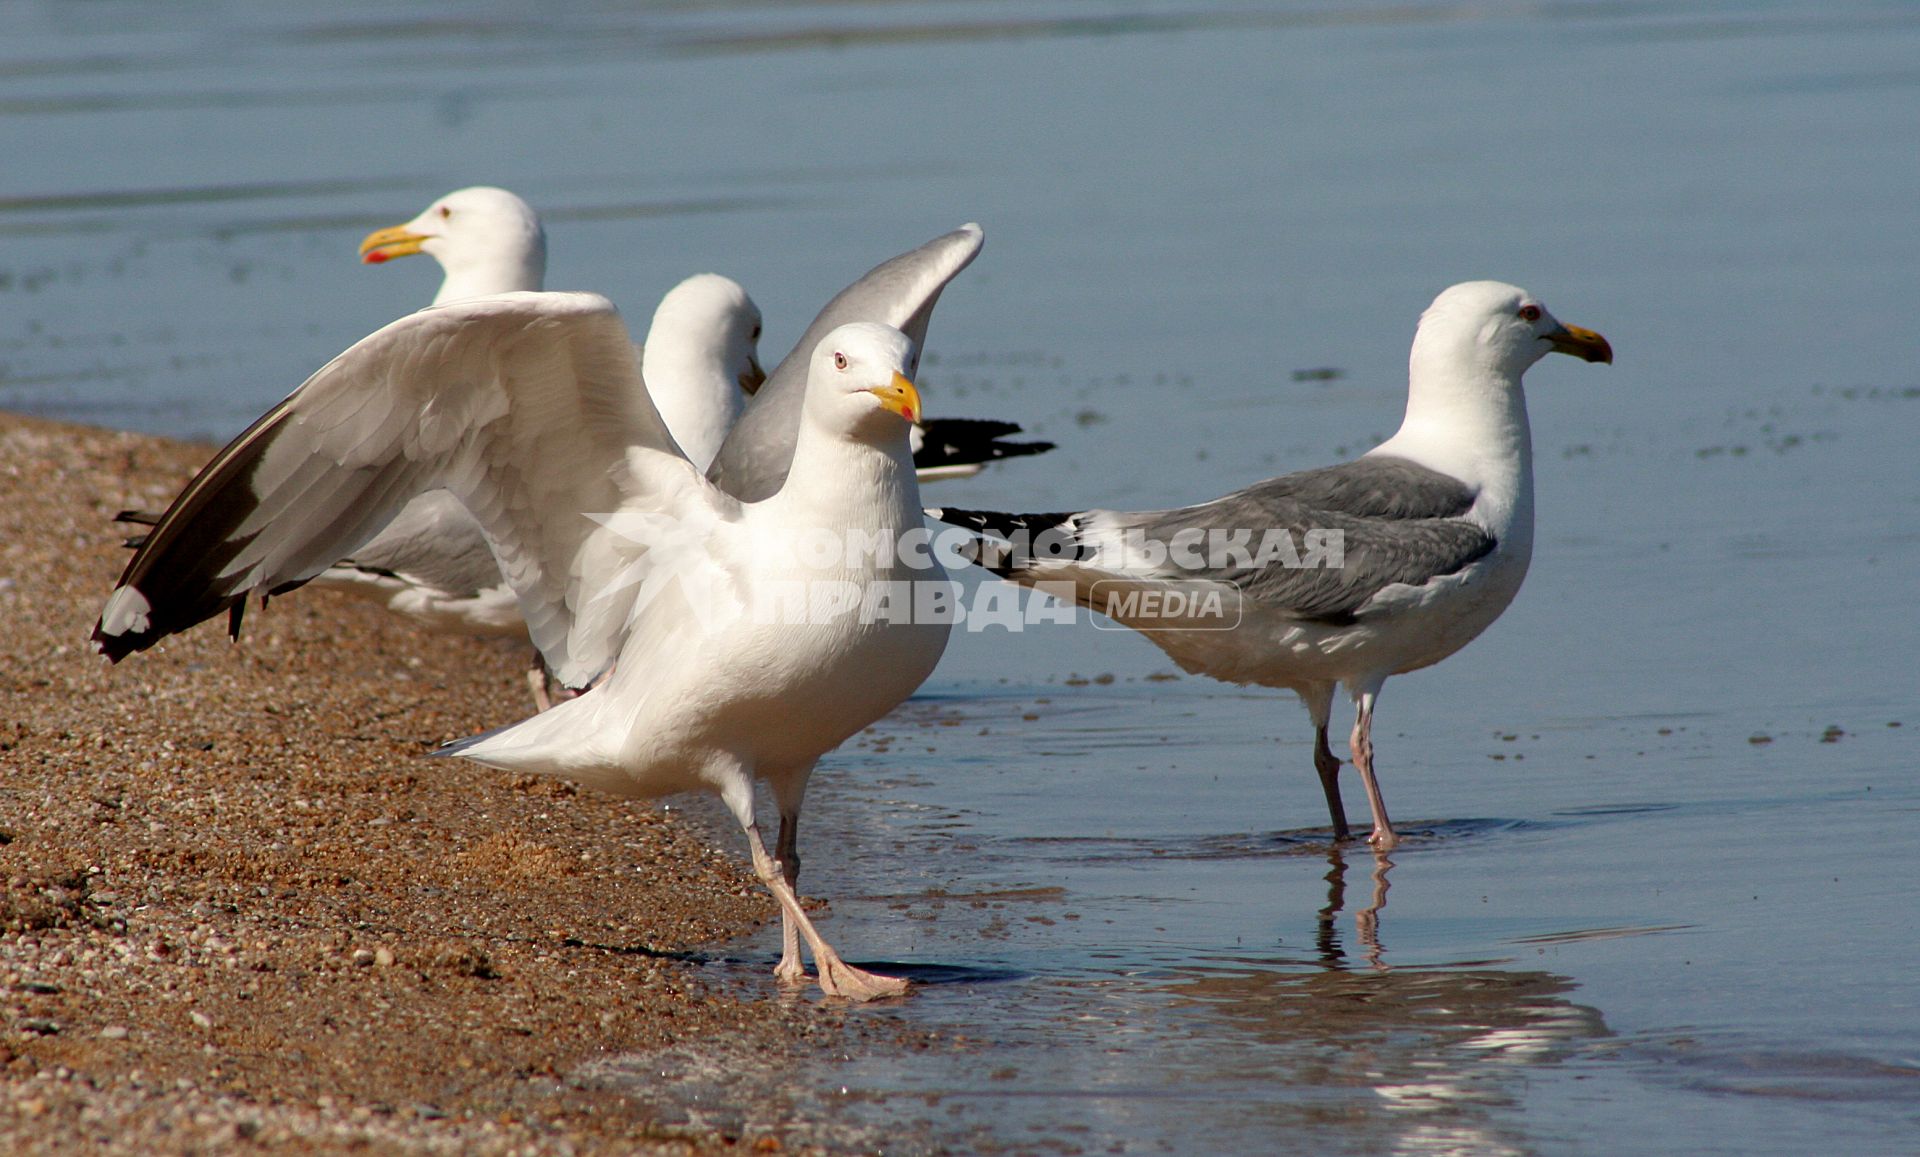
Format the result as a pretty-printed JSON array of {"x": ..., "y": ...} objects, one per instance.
[{"x": 1658, "y": 894}]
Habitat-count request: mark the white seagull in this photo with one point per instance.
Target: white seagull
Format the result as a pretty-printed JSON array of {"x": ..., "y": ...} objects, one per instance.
[
  {"x": 1343, "y": 575},
  {"x": 529, "y": 408}
]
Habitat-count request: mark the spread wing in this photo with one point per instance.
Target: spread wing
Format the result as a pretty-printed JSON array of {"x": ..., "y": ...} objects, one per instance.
[{"x": 528, "y": 407}]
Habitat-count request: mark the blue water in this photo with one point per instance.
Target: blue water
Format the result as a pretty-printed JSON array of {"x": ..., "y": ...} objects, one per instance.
[{"x": 1653, "y": 903}]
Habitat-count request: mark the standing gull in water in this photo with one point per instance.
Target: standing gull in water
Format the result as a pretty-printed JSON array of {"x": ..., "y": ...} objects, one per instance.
[
  {"x": 528, "y": 408},
  {"x": 1343, "y": 575}
]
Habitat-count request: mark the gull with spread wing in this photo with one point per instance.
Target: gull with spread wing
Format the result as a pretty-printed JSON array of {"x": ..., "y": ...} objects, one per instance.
[{"x": 528, "y": 408}]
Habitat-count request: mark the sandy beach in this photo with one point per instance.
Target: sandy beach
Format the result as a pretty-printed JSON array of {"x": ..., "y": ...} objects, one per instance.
[{"x": 242, "y": 908}]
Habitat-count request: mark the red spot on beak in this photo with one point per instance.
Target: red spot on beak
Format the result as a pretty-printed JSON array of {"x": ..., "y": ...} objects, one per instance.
[{"x": 374, "y": 258}]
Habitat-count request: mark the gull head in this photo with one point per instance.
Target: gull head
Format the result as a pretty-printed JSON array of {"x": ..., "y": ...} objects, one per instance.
[
  {"x": 857, "y": 382},
  {"x": 486, "y": 239},
  {"x": 1490, "y": 326},
  {"x": 709, "y": 319}
]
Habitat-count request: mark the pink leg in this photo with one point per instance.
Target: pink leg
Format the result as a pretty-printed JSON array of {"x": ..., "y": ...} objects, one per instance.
[
  {"x": 837, "y": 977},
  {"x": 1383, "y": 839}
]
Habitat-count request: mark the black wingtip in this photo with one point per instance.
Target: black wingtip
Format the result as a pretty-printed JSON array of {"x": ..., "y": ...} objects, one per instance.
[
  {"x": 1005, "y": 543},
  {"x": 954, "y": 442},
  {"x": 114, "y": 647}
]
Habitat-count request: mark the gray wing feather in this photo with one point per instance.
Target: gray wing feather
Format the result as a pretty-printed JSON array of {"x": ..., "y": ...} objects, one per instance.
[
  {"x": 520, "y": 404},
  {"x": 1398, "y": 522},
  {"x": 1375, "y": 555},
  {"x": 901, "y": 292},
  {"x": 433, "y": 542}
]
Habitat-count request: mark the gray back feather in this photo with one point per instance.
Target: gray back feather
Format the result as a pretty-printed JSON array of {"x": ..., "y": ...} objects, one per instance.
[
  {"x": 1399, "y": 522},
  {"x": 1377, "y": 486}
]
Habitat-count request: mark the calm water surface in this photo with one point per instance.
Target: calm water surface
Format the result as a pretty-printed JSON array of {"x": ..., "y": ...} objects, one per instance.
[{"x": 1666, "y": 829}]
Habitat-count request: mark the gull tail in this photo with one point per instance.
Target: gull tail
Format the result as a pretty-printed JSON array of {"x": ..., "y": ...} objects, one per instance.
[
  {"x": 962, "y": 447},
  {"x": 566, "y": 740}
]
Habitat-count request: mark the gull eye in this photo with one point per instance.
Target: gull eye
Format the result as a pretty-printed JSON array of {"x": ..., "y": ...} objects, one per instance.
[
  {"x": 756, "y": 333},
  {"x": 1529, "y": 313},
  {"x": 445, "y": 212},
  {"x": 839, "y": 360}
]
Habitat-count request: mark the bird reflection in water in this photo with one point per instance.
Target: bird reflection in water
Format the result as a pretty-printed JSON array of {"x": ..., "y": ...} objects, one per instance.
[
  {"x": 1366, "y": 921},
  {"x": 1438, "y": 1055}
]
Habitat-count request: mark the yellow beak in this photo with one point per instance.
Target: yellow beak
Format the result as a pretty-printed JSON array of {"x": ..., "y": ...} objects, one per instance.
[
  {"x": 386, "y": 244},
  {"x": 1582, "y": 343},
  {"x": 899, "y": 397}
]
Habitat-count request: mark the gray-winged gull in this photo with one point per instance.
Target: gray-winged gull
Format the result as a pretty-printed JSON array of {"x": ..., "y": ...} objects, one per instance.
[
  {"x": 529, "y": 408},
  {"x": 1343, "y": 575}
]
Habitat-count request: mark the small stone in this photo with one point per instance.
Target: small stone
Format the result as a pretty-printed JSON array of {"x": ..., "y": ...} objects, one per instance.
[
  {"x": 383, "y": 956},
  {"x": 40, "y": 1026},
  {"x": 362, "y": 957},
  {"x": 114, "y": 1032},
  {"x": 200, "y": 1018}
]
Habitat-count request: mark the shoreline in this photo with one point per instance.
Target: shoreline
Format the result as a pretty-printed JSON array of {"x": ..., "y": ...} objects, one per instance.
[{"x": 241, "y": 907}]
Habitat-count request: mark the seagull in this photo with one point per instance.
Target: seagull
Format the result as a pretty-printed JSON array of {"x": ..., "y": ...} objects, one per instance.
[
  {"x": 529, "y": 409},
  {"x": 701, "y": 362},
  {"x": 1343, "y": 575}
]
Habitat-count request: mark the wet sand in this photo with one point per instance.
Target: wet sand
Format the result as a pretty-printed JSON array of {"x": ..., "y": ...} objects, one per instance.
[{"x": 241, "y": 906}]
